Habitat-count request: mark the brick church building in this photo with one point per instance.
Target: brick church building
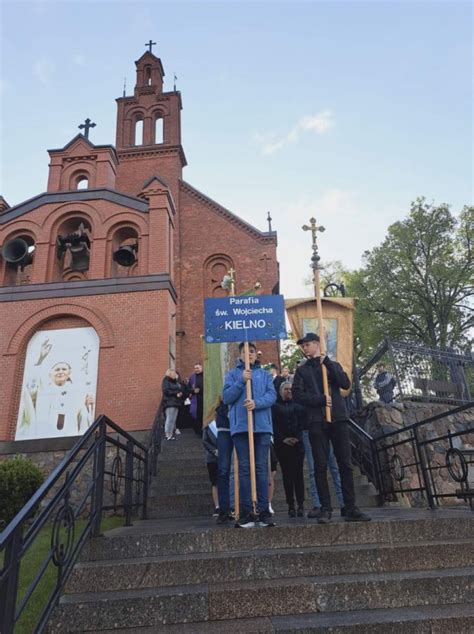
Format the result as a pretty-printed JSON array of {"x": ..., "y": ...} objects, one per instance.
[{"x": 121, "y": 246}]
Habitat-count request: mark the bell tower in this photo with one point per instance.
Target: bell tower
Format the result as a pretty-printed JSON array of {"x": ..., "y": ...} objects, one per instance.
[{"x": 148, "y": 140}]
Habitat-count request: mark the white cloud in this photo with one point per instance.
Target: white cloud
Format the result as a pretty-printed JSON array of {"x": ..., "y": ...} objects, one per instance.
[
  {"x": 43, "y": 70},
  {"x": 318, "y": 123}
]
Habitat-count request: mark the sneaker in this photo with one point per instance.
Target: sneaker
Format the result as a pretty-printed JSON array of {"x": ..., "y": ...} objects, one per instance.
[
  {"x": 266, "y": 520},
  {"x": 172, "y": 438},
  {"x": 222, "y": 518},
  {"x": 324, "y": 516},
  {"x": 270, "y": 509},
  {"x": 291, "y": 513},
  {"x": 177, "y": 432},
  {"x": 246, "y": 521},
  {"x": 315, "y": 512},
  {"x": 216, "y": 512},
  {"x": 300, "y": 511},
  {"x": 343, "y": 511},
  {"x": 356, "y": 515}
]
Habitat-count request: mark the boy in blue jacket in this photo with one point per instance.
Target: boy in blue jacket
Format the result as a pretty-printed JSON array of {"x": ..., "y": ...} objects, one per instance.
[{"x": 263, "y": 397}]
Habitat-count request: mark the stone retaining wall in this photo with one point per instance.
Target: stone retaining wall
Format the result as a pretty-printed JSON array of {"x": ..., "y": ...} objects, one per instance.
[
  {"x": 48, "y": 453},
  {"x": 381, "y": 419}
]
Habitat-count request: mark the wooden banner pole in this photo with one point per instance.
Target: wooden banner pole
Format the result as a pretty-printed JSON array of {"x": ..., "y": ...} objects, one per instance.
[
  {"x": 248, "y": 388},
  {"x": 231, "y": 274}
]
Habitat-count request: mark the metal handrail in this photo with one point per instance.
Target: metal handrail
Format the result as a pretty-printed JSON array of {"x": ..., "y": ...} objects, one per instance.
[
  {"x": 381, "y": 469},
  {"x": 19, "y": 535}
]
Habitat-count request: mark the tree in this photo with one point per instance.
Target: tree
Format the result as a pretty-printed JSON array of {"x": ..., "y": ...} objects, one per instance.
[
  {"x": 332, "y": 272},
  {"x": 418, "y": 284},
  {"x": 290, "y": 354}
]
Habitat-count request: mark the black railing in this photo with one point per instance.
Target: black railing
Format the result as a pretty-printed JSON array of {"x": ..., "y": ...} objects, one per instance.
[
  {"x": 72, "y": 501},
  {"x": 417, "y": 373},
  {"x": 364, "y": 454},
  {"x": 427, "y": 461}
]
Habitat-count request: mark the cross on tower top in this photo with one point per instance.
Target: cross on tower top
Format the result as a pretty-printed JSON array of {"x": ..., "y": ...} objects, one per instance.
[
  {"x": 150, "y": 44},
  {"x": 86, "y": 126}
]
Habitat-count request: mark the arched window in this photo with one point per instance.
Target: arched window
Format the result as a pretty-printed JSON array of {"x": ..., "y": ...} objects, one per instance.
[
  {"x": 138, "y": 137},
  {"x": 214, "y": 270},
  {"x": 125, "y": 253},
  {"x": 148, "y": 75},
  {"x": 73, "y": 250},
  {"x": 159, "y": 130},
  {"x": 82, "y": 182}
]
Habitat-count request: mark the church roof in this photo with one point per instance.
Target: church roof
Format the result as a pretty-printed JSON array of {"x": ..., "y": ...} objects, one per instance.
[
  {"x": 152, "y": 58},
  {"x": 73, "y": 196},
  {"x": 82, "y": 138},
  {"x": 233, "y": 218}
]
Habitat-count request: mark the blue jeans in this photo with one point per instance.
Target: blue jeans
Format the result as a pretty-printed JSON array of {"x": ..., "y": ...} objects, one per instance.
[
  {"x": 332, "y": 464},
  {"x": 225, "y": 447},
  {"x": 262, "y": 447}
]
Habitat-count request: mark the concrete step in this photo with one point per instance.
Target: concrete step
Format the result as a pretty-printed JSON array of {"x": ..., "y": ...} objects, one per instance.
[
  {"x": 457, "y": 619},
  {"x": 267, "y": 564},
  {"x": 153, "y": 538},
  {"x": 191, "y": 483},
  {"x": 173, "y": 508},
  {"x": 233, "y": 600}
]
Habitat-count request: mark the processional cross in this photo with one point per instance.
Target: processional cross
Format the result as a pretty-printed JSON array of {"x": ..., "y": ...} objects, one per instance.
[{"x": 314, "y": 228}]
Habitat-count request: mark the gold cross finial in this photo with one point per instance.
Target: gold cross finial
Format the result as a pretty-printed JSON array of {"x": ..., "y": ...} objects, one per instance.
[{"x": 314, "y": 228}]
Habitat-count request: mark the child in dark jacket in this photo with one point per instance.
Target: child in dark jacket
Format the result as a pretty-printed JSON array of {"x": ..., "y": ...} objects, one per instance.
[
  {"x": 209, "y": 441},
  {"x": 289, "y": 420}
]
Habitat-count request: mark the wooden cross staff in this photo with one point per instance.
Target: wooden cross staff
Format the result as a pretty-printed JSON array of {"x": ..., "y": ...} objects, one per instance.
[
  {"x": 248, "y": 388},
  {"x": 315, "y": 258}
]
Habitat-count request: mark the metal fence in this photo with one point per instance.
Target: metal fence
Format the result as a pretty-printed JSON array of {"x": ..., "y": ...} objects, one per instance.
[
  {"x": 106, "y": 471},
  {"x": 401, "y": 371},
  {"x": 428, "y": 461}
]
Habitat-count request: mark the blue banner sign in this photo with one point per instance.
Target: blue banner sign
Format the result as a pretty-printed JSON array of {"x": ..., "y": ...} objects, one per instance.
[{"x": 244, "y": 318}]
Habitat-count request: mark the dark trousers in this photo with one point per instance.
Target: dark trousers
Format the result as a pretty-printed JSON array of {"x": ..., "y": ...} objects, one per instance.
[
  {"x": 291, "y": 461},
  {"x": 320, "y": 434},
  {"x": 225, "y": 447}
]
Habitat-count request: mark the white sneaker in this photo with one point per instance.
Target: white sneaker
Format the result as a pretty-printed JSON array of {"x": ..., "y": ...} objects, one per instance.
[
  {"x": 270, "y": 509},
  {"x": 177, "y": 432}
]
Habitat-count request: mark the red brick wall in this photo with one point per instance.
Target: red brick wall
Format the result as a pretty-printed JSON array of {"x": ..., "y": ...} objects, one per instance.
[
  {"x": 133, "y": 358},
  {"x": 204, "y": 233}
]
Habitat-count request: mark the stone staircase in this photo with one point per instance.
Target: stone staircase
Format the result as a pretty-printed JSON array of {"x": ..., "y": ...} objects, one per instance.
[
  {"x": 409, "y": 570},
  {"x": 182, "y": 487}
]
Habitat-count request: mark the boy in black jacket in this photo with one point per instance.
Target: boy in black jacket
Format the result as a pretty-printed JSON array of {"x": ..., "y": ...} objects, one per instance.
[{"x": 308, "y": 391}]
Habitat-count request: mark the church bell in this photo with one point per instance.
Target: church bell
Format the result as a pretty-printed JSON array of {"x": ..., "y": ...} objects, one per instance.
[
  {"x": 17, "y": 252},
  {"x": 80, "y": 257},
  {"x": 126, "y": 255}
]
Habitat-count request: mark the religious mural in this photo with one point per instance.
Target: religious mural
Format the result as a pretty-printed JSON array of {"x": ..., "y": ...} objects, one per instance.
[
  {"x": 330, "y": 331},
  {"x": 59, "y": 384}
]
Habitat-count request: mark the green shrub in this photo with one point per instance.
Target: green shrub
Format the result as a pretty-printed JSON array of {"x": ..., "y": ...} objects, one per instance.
[{"x": 19, "y": 480}]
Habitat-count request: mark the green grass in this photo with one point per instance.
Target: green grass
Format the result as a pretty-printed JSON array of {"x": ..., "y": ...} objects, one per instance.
[{"x": 30, "y": 565}]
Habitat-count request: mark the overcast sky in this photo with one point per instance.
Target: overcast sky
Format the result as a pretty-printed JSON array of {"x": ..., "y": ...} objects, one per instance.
[{"x": 343, "y": 110}]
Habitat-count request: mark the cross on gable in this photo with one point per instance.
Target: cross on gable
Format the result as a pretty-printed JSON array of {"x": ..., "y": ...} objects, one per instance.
[
  {"x": 150, "y": 45},
  {"x": 86, "y": 126},
  {"x": 265, "y": 258}
]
